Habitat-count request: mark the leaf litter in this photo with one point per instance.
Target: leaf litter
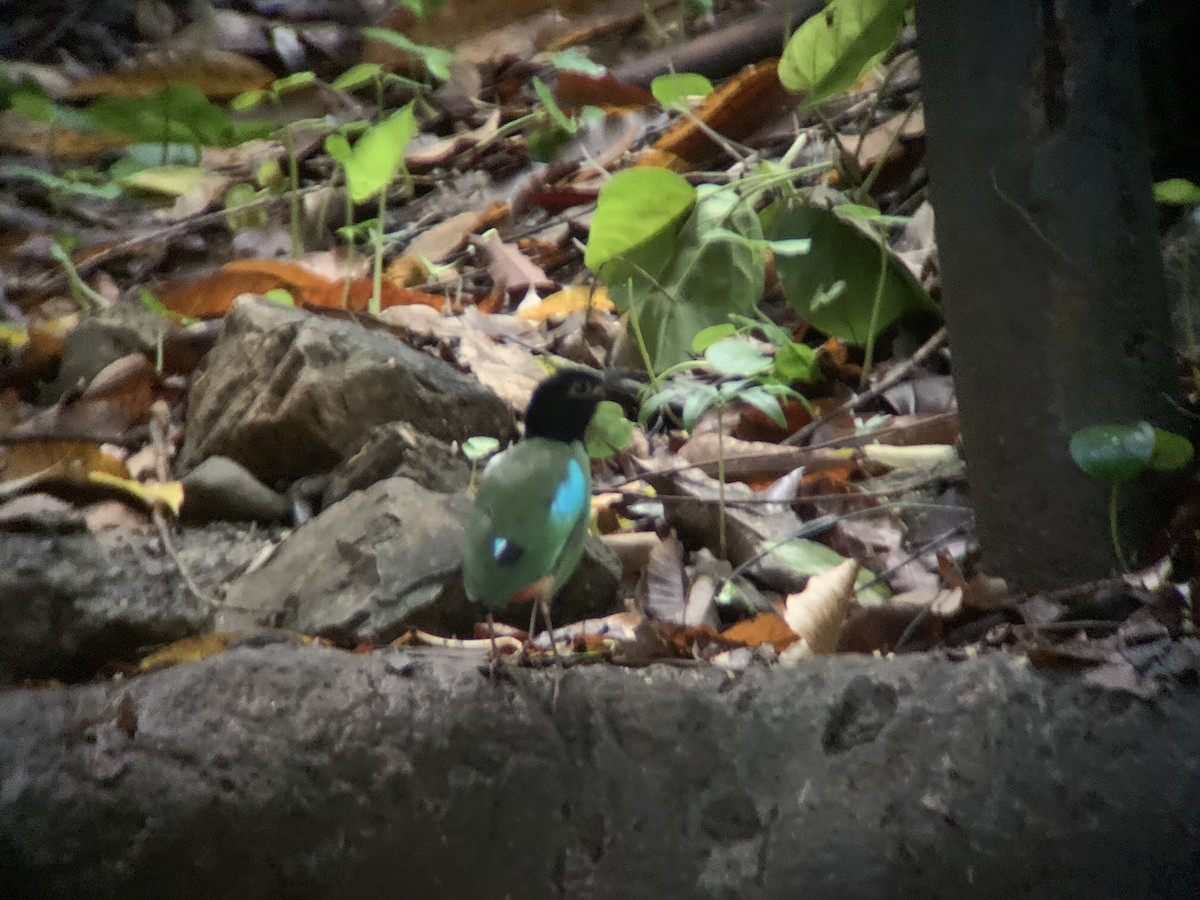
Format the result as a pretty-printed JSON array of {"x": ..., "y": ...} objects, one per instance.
[{"x": 795, "y": 490}]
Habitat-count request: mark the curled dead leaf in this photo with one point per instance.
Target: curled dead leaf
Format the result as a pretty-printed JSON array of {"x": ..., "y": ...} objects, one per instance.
[{"x": 817, "y": 613}]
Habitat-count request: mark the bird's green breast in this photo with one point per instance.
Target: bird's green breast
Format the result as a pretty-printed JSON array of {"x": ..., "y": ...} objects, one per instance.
[{"x": 529, "y": 520}]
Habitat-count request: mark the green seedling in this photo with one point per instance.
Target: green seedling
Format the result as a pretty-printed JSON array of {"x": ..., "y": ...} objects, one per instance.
[
  {"x": 282, "y": 296},
  {"x": 553, "y": 127},
  {"x": 1177, "y": 192},
  {"x": 678, "y": 90},
  {"x": 476, "y": 450},
  {"x": 1117, "y": 454},
  {"x": 423, "y": 9},
  {"x": 85, "y": 298},
  {"x": 830, "y": 52},
  {"x": 175, "y": 114},
  {"x": 61, "y": 189},
  {"x": 435, "y": 60},
  {"x": 151, "y": 302},
  {"x": 753, "y": 379},
  {"x": 274, "y": 94},
  {"x": 371, "y": 166}
]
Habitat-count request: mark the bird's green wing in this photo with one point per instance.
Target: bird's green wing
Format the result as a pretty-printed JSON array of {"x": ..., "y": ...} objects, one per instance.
[{"x": 529, "y": 520}]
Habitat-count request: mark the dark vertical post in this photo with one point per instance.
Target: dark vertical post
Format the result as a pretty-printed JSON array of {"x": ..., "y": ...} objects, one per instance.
[{"x": 1054, "y": 293}]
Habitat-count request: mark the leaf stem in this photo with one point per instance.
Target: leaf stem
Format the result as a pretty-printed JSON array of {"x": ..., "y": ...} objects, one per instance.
[
  {"x": 377, "y": 272},
  {"x": 1113, "y": 529},
  {"x": 869, "y": 350},
  {"x": 721, "y": 480}
]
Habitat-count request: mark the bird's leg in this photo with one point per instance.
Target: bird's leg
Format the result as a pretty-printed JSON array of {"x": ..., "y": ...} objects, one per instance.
[
  {"x": 494, "y": 661},
  {"x": 524, "y": 656},
  {"x": 544, "y": 604}
]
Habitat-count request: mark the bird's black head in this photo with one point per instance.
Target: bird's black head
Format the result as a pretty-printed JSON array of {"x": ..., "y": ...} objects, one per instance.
[{"x": 563, "y": 404}]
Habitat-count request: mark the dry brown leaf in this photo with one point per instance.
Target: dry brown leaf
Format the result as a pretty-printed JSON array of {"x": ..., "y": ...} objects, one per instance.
[
  {"x": 870, "y": 147},
  {"x": 45, "y": 139},
  {"x": 940, "y": 601},
  {"x": 439, "y": 243},
  {"x": 72, "y": 460},
  {"x": 633, "y": 549},
  {"x": 211, "y": 296},
  {"x": 818, "y": 612},
  {"x": 576, "y": 89},
  {"x": 109, "y": 515},
  {"x": 117, "y": 399},
  {"x": 511, "y": 371},
  {"x": 219, "y": 74},
  {"x": 28, "y": 511},
  {"x": 511, "y": 270},
  {"x": 746, "y": 459},
  {"x": 735, "y": 109},
  {"x": 985, "y": 592},
  {"x": 878, "y": 628},
  {"x": 440, "y": 152},
  {"x": 662, "y": 589},
  {"x": 917, "y": 456}
]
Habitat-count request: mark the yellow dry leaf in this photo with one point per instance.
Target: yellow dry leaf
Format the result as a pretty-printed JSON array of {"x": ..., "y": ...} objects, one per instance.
[
  {"x": 920, "y": 456},
  {"x": 568, "y": 300},
  {"x": 190, "y": 649},
  {"x": 13, "y": 335},
  {"x": 170, "y": 181},
  {"x": 166, "y": 495}
]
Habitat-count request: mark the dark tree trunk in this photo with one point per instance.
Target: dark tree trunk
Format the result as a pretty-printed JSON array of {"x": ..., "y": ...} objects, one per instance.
[{"x": 1054, "y": 293}]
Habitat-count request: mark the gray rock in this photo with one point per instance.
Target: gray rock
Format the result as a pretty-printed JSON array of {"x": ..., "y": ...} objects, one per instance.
[
  {"x": 289, "y": 772},
  {"x": 287, "y": 393},
  {"x": 220, "y": 489},
  {"x": 70, "y": 603},
  {"x": 358, "y": 570},
  {"x": 104, "y": 338},
  {"x": 398, "y": 449},
  {"x": 592, "y": 590},
  {"x": 387, "y": 558}
]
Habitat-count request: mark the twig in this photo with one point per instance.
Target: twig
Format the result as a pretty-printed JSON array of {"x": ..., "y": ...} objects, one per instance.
[
  {"x": 648, "y": 472},
  {"x": 164, "y": 532},
  {"x": 119, "y": 249}
]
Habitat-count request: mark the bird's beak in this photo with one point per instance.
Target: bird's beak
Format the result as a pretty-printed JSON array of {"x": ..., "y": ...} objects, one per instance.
[{"x": 623, "y": 388}]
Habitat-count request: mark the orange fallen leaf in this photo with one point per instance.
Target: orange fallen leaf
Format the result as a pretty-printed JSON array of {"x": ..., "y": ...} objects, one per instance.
[
  {"x": 735, "y": 109},
  {"x": 211, "y": 296},
  {"x": 765, "y": 628},
  {"x": 576, "y": 89}
]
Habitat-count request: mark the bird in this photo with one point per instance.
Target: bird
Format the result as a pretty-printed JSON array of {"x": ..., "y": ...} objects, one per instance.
[{"x": 529, "y": 521}]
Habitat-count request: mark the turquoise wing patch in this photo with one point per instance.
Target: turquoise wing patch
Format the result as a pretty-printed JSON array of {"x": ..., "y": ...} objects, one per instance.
[{"x": 571, "y": 498}]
